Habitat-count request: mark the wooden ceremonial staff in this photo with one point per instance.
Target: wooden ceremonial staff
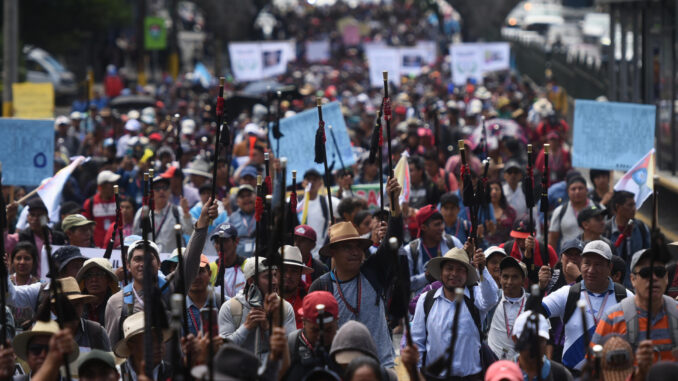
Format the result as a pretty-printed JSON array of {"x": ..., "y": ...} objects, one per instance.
[
  {"x": 151, "y": 200},
  {"x": 281, "y": 235},
  {"x": 276, "y": 127},
  {"x": 269, "y": 259},
  {"x": 148, "y": 293},
  {"x": 468, "y": 196},
  {"x": 376, "y": 151},
  {"x": 545, "y": 199},
  {"x": 220, "y": 119},
  {"x": 181, "y": 290},
  {"x": 387, "y": 118},
  {"x": 654, "y": 250},
  {"x": 3, "y": 267},
  {"x": 259, "y": 227},
  {"x": 121, "y": 224},
  {"x": 321, "y": 154},
  {"x": 529, "y": 193},
  {"x": 56, "y": 289}
]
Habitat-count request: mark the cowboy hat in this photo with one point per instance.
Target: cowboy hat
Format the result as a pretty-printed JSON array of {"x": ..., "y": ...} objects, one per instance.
[
  {"x": 71, "y": 288},
  {"x": 131, "y": 327},
  {"x": 292, "y": 257},
  {"x": 102, "y": 264},
  {"x": 40, "y": 328},
  {"x": 434, "y": 266},
  {"x": 344, "y": 232},
  {"x": 198, "y": 167}
]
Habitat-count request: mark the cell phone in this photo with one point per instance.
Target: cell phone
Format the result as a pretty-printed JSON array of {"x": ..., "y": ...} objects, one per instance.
[{"x": 205, "y": 316}]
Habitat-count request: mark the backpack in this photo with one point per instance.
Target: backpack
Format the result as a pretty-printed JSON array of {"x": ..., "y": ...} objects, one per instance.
[
  {"x": 628, "y": 306},
  {"x": 575, "y": 292},
  {"x": 414, "y": 249},
  {"x": 236, "y": 311}
]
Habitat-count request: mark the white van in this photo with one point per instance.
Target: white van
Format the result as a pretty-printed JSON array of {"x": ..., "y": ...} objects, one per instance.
[{"x": 42, "y": 67}]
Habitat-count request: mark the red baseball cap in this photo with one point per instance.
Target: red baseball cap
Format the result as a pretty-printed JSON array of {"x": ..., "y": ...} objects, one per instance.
[
  {"x": 423, "y": 215},
  {"x": 305, "y": 231},
  {"x": 309, "y": 310},
  {"x": 521, "y": 229},
  {"x": 504, "y": 370},
  {"x": 156, "y": 137}
]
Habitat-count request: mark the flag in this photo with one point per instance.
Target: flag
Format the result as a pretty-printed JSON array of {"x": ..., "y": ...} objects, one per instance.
[
  {"x": 402, "y": 174},
  {"x": 639, "y": 180},
  {"x": 50, "y": 192}
]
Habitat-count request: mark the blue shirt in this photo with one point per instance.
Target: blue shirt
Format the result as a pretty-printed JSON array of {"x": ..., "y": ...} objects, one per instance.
[
  {"x": 439, "y": 327},
  {"x": 245, "y": 224},
  {"x": 418, "y": 270}
]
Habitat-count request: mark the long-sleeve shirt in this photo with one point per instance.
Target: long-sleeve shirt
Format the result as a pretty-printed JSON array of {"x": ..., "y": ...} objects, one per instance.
[
  {"x": 191, "y": 268},
  {"x": 501, "y": 328},
  {"x": 164, "y": 227},
  {"x": 418, "y": 270},
  {"x": 433, "y": 335}
]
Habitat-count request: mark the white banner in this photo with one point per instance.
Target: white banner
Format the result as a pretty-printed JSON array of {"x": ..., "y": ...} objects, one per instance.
[
  {"x": 251, "y": 61},
  {"x": 431, "y": 50},
  {"x": 317, "y": 51},
  {"x": 473, "y": 60},
  {"x": 412, "y": 60},
  {"x": 382, "y": 59}
]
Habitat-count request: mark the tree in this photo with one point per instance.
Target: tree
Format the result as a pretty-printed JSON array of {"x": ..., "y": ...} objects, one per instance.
[{"x": 482, "y": 19}]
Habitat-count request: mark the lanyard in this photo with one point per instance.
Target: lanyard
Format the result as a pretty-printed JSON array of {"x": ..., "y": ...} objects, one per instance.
[
  {"x": 359, "y": 293},
  {"x": 305, "y": 340},
  {"x": 509, "y": 328},
  {"x": 137, "y": 297},
  {"x": 231, "y": 292},
  {"x": 157, "y": 232},
  {"x": 600, "y": 311},
  {"x": 428, "y": 254},
  {"x": 194, "y": 321},
  {"x": 244, "y": 222}
]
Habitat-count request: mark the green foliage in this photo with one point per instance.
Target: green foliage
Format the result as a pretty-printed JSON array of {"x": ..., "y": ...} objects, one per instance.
[{"x": 62, "y": 26}]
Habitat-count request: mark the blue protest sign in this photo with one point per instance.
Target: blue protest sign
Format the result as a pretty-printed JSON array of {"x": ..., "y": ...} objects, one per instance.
[
  {"x": 611, "y": 135},
  {"x": 26, "y": 150},
  {"x": 298, "y": 142}
]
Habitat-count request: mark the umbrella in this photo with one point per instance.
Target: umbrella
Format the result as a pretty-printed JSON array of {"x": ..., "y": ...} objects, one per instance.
[{"x": 496, "y": 130}]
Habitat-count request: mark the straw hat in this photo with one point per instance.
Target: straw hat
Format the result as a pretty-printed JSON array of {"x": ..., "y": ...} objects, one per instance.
[
  {"x": 71, "y": 288},
  {"x": 131, "y": 327},
  {"x": 292, "y": 257},
  {"x": 435, "y": 265},
  {"x": 40, "y": 328},
  {"x": 102, "y": 264},
  {"x": 344, "y": 232}
]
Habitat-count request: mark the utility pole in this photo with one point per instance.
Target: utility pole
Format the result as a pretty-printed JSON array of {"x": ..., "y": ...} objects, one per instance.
[
  {"x": 10, "y": 53},
  {"x": 141, "y": 48},
  {"x": 173, "y": 40}
]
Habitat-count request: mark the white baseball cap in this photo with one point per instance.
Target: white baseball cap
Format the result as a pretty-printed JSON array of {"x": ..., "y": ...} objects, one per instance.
[
  {"x": 598, "y": 247},
  {"x": 521, "y": 322},
  {"x": 494, "y": 250},
  {"x": 132, "y": 125},
  {"x": 187, "y": 126},
  {"x": 107, "y": 177},
  {"x": 61, "y": 119}
]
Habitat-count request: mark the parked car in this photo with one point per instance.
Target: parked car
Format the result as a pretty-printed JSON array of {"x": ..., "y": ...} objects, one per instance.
[{"x": 42, "y": 67}]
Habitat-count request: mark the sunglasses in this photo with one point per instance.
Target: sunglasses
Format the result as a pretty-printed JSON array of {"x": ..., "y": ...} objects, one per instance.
[
  {"x": 645, "y": 272},
  {"x": 38, "y": 349}
]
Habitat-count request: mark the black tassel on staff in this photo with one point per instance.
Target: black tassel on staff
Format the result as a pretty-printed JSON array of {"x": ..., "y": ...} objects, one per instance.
[
  {"x": 376, "y": 151},
  {"x": 321, "y": 154},
  {"x": 529, "y": 188},
  {"x": 59, "y": 299},
  {"x": 387, "y": 117},
  {"x": 270, "y": 259},
  {"x": 121, "y": 234},
  {"x": 3, "y": 268},
  {"x": 545, "y": 197},
  {"x": 468, "y": 195},
  {"x": 148, "y": 293},
  {"x": 482, "y": 193},
  {"x": 181, "y": 290},
  {"x": 260, "y": 227},
  {"x": 276, "y": 127},
  {"x": 281, "y": 234},
  {"x": 151, "y": 200},
  {"x": 217, "y": 144}
]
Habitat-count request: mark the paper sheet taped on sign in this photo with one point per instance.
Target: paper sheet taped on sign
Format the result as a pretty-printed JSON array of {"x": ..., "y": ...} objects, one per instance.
[
  {"x": 611, "y": 135},
  {"x": 33, "y": 100},
  {"x": 26, "y": 150}
]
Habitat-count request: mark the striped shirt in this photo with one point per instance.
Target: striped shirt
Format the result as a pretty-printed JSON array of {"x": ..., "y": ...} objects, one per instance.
[{"x": 661, "y": 334}]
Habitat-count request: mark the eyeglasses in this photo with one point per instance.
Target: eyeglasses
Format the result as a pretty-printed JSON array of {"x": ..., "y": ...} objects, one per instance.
[
  {"x": 645, "y": 272},
  {"x": 38, "y": 349}
]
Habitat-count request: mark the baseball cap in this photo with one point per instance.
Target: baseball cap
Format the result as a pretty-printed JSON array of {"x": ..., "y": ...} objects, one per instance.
[
  {"x": 67, "y": 254},
  {"x": 62, "y": 120},
  {"x": 74, "y": 221},
  {"x": 643, "y": 253},
  {"x": 305, "y": 231},
  {"x": 249, "y": 171},
  {"x": 494, "y": 250},
  {"x": 132, "y": 125},
  {"x": 512, "y": 262},
  {"x": 225, "y": 230},
  {"x": 107, "y": 177},
  {"x": 36, "y": 204},
  {"x": 449, "y": 198},
  {"x": 248, "y": 268},
  {"x": 504, "y": 370},
  {"x": 589, "y": 212},
  {"x": 204, "y": 261},
  {"x": 617, "y": 359},
  {"x": 522, "y": 320},
  {"x": 425, "y": 213},
  {"x": 244, "y": 187},
  {"x": 101, "y": 357},
  {"x": 512, "y": 164},
  {"x": 575, "y": 243},
  {"x": 598, "y": 247},
  {"x": 521, "y": 229},
  {"x": 309, "y": 310}
]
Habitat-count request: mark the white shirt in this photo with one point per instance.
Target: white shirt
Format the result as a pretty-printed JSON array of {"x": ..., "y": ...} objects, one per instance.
[
  {"x": 516, "y": 199},
  {"x": 499, "y": 335},
  {"x": 234, "y": 281},
  {"x": 317, "y": 221}
]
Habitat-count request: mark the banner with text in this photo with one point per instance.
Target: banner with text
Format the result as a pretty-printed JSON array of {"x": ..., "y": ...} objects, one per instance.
[
  {"x": 473, "y": 60},
  {"x": 251, "y": 61},
  {"x": 26, "y": 150},
  {"x": 611, "y": 135},
  {"x": 33, "y": 100},
  {"x": 398, "y": 61}
]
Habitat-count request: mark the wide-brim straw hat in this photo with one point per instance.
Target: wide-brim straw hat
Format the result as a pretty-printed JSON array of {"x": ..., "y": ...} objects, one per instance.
[
  {"x": 71, "y": 288},
  {"x": 292, "y": 257},
  {"x": 458, "y": 255},
  {"x": 133, "y": 326},
  {"x": 344, "y": 232},
  {"x": 41, "y": 328},
  {"x": 100, "y": 263}
]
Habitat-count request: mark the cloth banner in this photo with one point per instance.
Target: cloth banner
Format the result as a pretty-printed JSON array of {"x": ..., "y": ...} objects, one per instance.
[
  {"x": 473, "y": 60},
  {"x": 26, "y": 150},
  {"x": 639, "y": 180},
  {"x": 252, "y": 61}
]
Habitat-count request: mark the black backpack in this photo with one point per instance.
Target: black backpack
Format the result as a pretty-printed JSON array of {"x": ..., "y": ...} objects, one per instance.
[{"x": 575, "y": 292}]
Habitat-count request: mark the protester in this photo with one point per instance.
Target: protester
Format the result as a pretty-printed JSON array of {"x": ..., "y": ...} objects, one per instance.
[
  {"x": 504, "y": 215},
  {"x": 100, "y": 208},
  {"x": 630, "y": 317},
  {"x": 432, "y": 242},
  {"x": 513, "y": 189},
  {"x": 23, "y": 260},
  {"x": 44, "y": 346},
  {"x": 493, "y": 257},
  {"x": 225, "y": 241},
  {"x": 591, "y": 220},
  {"x": 200, "y": 294},
  {"x": 243, "y": 221},
  {"x": 599, "y": 293},
  {"x": 127, "y": 214},
  {"x": 357, "y": 285},
  {"x": 78, "y": 230},
  {"x": 131, "y": 348},
  {"x": 353, "y": 341},
  {"x": 293, "y": 289},
  {"x": 96, "y": 278},
  {"x": 313, "y": 209},
  {"x": 524, "y": 248},
  {"x": 563, "y": 225},
  {"x": 97, "y": 365},
  {"x": 204, "y": 192},
  {"x": 305, "y": 239},
  {"x": 431, "y": 327}
]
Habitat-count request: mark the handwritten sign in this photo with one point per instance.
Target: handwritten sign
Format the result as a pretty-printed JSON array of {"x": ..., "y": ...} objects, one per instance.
[
  {"x": 26, "y": 150},
  {"x": 611, "y": 135},
  {"x": 368, "y": 192},
  {"x": 33, "y": 100},
  {"x": 298, "y": 142}
]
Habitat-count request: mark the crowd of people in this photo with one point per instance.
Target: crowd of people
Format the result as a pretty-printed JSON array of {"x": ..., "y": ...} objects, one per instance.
[{"x": 483, "y": 297}]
